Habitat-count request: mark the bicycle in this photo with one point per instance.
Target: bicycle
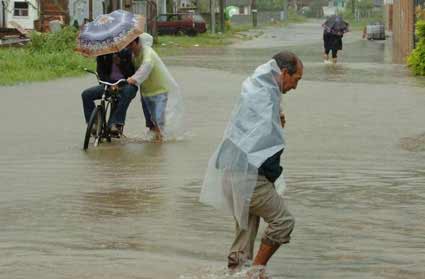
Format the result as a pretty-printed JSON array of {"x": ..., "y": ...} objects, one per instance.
[{"x": 98, "y": 127}]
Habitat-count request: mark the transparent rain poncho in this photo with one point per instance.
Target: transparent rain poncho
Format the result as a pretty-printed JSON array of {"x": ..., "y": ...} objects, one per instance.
[
  {"x": 253, "y": 135},
  {"x": 174, "y": 111}
]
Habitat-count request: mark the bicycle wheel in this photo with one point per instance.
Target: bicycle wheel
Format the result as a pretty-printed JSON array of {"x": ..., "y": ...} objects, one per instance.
[{"x": 95, "y": 124}]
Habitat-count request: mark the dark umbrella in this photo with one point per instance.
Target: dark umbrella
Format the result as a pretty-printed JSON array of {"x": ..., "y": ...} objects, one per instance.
[
  {"x": 109, "y": 33},
  {"x": 335, "y": 24}
]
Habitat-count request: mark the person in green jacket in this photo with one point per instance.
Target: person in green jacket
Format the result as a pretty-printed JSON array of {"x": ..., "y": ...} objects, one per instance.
[{"x": 158, "y": 88}]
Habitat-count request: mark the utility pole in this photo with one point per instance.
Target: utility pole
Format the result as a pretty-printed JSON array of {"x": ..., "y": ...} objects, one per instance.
[
  {"x": 254, "y": 12},
  {"x": 415, "y": 3},
  {"x": 212, "y": 15},
  {"x": 170, "y": 7},
  {"x": 285, "y": 10},
  {"x": 90, "y": 10},
  {"x": 3, "y": 13},
  {"x": 222, "y": 16}
]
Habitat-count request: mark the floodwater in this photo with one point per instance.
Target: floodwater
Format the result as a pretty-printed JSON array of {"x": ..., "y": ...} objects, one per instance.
[{"x": 355, "y": 170}]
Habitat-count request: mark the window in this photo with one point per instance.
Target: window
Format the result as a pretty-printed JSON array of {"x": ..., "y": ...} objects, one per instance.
[
  {"x": 162, "y": 18},
  {"x": 20, "y": 9}
]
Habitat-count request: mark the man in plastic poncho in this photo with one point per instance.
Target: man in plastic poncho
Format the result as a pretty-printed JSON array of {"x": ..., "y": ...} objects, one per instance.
[
  {"x": 160, "y": 94},
  {"x": 242, "y": 171}
]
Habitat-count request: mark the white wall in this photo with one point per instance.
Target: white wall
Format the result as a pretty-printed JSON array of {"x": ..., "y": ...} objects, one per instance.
[
  {"x": 79, "y": 10},
  {"x": 328, "y": 11},
  {"x": 26, "y": 22}
]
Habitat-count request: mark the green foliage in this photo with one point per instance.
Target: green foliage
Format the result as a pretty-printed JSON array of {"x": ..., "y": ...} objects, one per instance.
[
  {"x": 420, "y": 29},
  {"x": 416, "y": 60},
  {"x": 363, "y": 9},
  {"x": 51, "y": 42},
  {"x": 47, "y": 56},
  {"x": 270, "y": 5},
  {"x": 316, "y": 8}
]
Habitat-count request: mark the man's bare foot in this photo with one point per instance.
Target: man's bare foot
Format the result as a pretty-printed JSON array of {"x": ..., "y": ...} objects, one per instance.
[
  {"x": 158, "y": 138},
  {"x": 257, "y": 272}
]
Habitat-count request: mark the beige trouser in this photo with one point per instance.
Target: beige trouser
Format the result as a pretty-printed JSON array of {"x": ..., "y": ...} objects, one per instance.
[{"x": 267, "y": 204}]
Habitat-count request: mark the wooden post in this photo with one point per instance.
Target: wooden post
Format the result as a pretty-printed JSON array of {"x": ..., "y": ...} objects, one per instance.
[
  {"x": 254, "y": 12},
  {"x": 90, "y": 10},
  {"x": 403, "y": 29},
  {"x": 222, "y": 16},
  {"x": 212, "y": 14},
  {"x": 170, "y": 8},
  {"x": 3, "y": 13}
]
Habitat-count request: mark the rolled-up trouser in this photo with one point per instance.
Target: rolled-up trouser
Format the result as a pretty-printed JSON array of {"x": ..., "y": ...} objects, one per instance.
[
  {"x": 156, "y": 106},
  {"x": 267, "y": 204}
]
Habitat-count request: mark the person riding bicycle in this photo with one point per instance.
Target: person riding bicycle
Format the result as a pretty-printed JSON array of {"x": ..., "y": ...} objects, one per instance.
[{"x": 111, "y": 68}]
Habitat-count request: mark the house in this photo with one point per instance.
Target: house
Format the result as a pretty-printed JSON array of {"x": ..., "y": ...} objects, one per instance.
[
  {"x": 36, "y": 14},
  {"x": 23, "y": 12},
  {"x": 243, "y": 5}
]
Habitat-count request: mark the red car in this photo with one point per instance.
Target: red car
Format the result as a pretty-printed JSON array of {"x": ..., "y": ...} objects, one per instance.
[{"x": 179, "y": 24}]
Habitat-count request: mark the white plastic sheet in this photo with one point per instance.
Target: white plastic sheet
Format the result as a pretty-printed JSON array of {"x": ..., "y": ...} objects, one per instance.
[
  {"x": 253, "y": 135},
  {"x": 174, "y": 111}
]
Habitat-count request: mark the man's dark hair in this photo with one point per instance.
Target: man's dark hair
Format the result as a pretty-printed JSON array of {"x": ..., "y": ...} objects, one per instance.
[
  {"x": 287, "y": 60},
  {"x": 136, "y": 40}
]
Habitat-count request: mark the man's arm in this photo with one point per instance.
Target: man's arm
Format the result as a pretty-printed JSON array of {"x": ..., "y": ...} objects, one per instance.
[
  {"x": 141, "y": 74},
  {"x": 282, "y": 116}
]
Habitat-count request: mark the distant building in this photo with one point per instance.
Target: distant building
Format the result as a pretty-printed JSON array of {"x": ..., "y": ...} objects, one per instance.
[
  {"x": 23, "y": 12},
  {"x": 36, "y": 14},
  {"x": 79, "y": 10}
]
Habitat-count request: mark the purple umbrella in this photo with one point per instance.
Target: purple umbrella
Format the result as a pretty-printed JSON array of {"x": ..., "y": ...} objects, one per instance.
[
  {"x": 335, "y": 24},
  {"x": 109, "y": 33}
]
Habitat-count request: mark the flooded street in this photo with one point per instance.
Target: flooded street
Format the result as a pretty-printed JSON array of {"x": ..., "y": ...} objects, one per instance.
[{"x": 354, "y": 166}]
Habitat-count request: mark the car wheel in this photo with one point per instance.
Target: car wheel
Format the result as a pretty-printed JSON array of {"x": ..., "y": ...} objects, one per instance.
[
  {"x": 179, "y": 32},
  {"x": 192, "y": 33}
]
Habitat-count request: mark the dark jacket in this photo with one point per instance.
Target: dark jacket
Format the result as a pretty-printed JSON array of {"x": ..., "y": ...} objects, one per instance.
[
  {"x": 104, "y": 65},
  {"x": 271, "y": 168},
  {"x": 332, "y": 41}
]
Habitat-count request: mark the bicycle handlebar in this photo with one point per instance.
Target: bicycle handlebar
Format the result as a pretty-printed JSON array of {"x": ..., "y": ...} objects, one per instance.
[
  {"x": 104, "y": 82},
  {"x": 113, "y": 84}
]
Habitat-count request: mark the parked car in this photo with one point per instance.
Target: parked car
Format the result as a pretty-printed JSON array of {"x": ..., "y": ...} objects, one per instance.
[
  {"x": 375, "y": 31},
  {"x": 181, "y": 23}
]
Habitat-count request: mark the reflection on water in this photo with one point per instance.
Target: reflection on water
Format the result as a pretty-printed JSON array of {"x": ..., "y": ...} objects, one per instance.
[
  {"x": 354, "y": 168},
  {"x": 121, "y": 202},
  {"x": 414, "y": 144}
]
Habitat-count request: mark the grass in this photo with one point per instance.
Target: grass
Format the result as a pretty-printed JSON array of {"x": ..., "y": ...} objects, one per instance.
[{"x": 18, "y": 65}]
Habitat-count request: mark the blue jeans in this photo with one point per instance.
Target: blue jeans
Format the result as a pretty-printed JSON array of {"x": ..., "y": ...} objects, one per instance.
[
  {"x": 146, "y": 113},
  {"x": 127, "y": 93},
  {"x": 156, "y": 106}
]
